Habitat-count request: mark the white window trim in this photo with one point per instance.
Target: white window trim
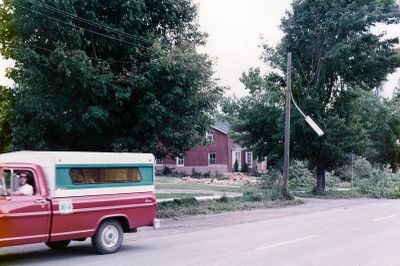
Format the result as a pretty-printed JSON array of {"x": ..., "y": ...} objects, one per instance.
[
  {"x": 209, "y": 158},
  {"x": 183, "y": 162},
  {"x": 208, "y": 134},
  {"x": 250, "y": 164}
]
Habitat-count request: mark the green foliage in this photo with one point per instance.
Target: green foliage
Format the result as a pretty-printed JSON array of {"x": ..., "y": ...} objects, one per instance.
[
  {"x": 245, "y": 168},
  {"x": 252, "y": 196},
  {"x": 273, "y": 186},
  {"x": 195, "y": 174},
  {"x": 236, "y": 166},
  {"x": 268, "y": 179},
  {"x": 207, "y": 174},
  {"x": 362, "y": 168},
  {"x": 299, "y": 175},
  {"x": 220, "y": 176},
  {"x": 166, "y": 171},
  {"x": 223, "y": 199},
  {"x": 5, "y": 119},
  {"x": 380, "y": 185},
  {"x": 145, "y": 88},
  {"x": 331, "y": 180},
  {"x": 337, "y": 61}
]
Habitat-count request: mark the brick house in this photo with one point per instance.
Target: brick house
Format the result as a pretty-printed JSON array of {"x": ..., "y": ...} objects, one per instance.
[{"x": 217, "y": 157}]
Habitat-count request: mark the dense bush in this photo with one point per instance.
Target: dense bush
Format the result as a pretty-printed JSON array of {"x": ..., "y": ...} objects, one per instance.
[
  {"x": 331, "y": 180},
  {"x": 380, "y": 185},
  {"x": 252, "y": 196},
  {"x": 245, "y": 168},
  {"x": 236, "y": 166},
  {"x": 220, "y": 176},
  {"x": 300, "y": 176},
  {"x": 268, "y": 179},
  {"x": 166, "y": 170},
  {"x": 195, "y": 174},
  {"x": 344, "y": 173},
  {"x": 362, "y": 168},
  {"x": 272, "y": 185}
]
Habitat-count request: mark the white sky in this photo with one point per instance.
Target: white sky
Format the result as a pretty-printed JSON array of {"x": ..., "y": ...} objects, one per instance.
[{"x": 234, "y": 28}]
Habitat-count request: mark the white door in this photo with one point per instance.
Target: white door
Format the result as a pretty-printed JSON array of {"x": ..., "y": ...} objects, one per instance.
[{"x": 236, "y": 155}]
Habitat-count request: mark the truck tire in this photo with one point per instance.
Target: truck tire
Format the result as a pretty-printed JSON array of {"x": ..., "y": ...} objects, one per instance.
[
  {"x": 108, "y": 237},
  {"x": 58, "y": 244}
]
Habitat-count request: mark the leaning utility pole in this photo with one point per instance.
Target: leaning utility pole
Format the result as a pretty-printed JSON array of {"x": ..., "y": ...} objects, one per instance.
[{"x": 287, "y": 124}]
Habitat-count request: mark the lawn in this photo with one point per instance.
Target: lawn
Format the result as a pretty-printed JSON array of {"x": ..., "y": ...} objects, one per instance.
[{"x": 180, "y": 195}]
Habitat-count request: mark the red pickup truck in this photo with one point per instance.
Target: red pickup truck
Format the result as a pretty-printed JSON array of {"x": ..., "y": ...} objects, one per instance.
[{"x": 56, "y": 197}]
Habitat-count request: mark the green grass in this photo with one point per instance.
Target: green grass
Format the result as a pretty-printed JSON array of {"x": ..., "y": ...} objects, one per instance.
[
  {"x": 331, "y": 194},
  {"x": 180, "y": 195},
  {"x": 205, "y": 187},
  {"x": 190, "y": 206}
]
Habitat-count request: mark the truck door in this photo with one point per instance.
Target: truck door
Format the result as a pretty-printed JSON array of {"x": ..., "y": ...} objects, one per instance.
[{"x": 24, "y": 219}]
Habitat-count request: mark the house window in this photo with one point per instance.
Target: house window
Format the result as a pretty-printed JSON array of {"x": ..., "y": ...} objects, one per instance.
[
  {"x": 104, "y": 175},
  {"x": 180, "y": 161},
  {"x": 159, "y": 161},
  {"x": 212, "y": 158},
  {"x": 249, "y": 159},
  {"x": 210, "y": 136}
]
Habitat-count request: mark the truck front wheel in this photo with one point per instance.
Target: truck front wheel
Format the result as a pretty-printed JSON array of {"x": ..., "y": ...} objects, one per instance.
[
  {"x": 108, "y": 237},
  {"x": 58, "y": 244}
]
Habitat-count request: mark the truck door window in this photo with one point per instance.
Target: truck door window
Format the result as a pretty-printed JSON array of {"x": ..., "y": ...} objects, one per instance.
[
  {"x": 104, "y": 175},
  {"x": 18, "y": 182}
]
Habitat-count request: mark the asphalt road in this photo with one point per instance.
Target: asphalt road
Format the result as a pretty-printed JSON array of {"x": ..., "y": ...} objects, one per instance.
[{"x": 348, "y": 233}]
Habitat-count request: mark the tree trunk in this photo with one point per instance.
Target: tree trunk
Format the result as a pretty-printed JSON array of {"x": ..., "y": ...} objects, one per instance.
[
  {"x": 394, "y": 167},
  {"x": 320, "y": 189}
]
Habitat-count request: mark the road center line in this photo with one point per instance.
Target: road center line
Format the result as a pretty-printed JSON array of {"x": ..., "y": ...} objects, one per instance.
[
  {"x": 384, "y": 218},
  {"x": 285, "y": 243}
]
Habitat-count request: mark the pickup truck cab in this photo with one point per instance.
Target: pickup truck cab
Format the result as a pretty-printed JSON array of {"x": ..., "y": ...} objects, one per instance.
[{"x": 76, "y": 195}]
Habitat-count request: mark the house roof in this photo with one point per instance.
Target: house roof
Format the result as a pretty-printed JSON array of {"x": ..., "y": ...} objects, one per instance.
[{"x": 221, "y": 126}]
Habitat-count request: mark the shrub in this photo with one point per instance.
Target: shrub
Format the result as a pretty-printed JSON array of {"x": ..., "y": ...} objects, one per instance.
[
  {"x": 362, "y": 168},
  {"x": 223, "y": 199},
  {"x": 245, "y": 168},
  {"x": 220, "y": 176},
  {"x": 268, "y": 179},
  {"x": 253, "y": 197},
  {"x": 343, "y": 173},
  {"x": 195, "y": 174},
  {"x": 380, "y": 185},
  {"x": 166, "y": 170},
  {"x": 272, "y": 183},
  {"x": 190, "y": 201},
  {"x": 236, "y": 166},
  {"x": 331, "y": 180},
  {"x": 300, "y": 176},
  {"x": 207, "y": 175}
]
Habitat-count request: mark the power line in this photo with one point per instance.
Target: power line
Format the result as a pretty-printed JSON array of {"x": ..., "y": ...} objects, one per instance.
[
  {"x": 63, "y": 12},
  {"x": 95, "y": 59},
  {"x": 64, "y": 22}
]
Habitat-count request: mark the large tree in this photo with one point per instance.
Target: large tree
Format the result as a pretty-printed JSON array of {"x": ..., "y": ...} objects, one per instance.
[
  {"x": 5, "y": 118},
  {"x": 334, "y": 53},
  {"x": 108, "y": 75}
]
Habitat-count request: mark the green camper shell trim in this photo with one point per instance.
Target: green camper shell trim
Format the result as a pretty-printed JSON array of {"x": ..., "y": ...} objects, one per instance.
[{"x": 64, "y": 180}]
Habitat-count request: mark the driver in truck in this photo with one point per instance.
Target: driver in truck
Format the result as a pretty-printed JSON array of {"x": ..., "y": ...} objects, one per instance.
[{"x": 24, "y": 188}]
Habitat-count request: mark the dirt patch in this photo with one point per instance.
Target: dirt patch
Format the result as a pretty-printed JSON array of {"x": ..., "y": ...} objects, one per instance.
[{"x": 231, "y": 179}]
